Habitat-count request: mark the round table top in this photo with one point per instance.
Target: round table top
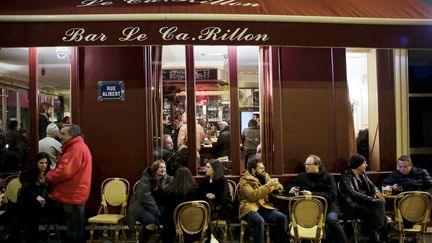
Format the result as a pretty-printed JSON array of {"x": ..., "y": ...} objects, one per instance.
[{"x": 282, "y": 195}]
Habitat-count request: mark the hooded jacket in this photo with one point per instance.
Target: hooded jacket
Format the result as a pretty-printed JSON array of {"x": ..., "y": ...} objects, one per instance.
[
  {"x": 252, "y": 195},
  {"x": 71, "y": 178},
  {"x": 143, "y": 197}
]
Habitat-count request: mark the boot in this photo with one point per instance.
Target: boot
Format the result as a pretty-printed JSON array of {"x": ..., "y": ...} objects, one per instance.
[
  {"x": 375, "y": 237},
  {"x": 145, "y": 234}
]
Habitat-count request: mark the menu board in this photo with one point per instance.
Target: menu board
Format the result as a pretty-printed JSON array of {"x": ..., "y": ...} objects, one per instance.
[{"x": 200, "y": 74}]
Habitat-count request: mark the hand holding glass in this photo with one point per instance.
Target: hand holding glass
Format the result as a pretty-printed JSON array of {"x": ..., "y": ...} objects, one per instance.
[{"x": 295, "y": 190}]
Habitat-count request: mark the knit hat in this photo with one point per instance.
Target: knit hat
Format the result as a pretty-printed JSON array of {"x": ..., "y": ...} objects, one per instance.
[
  {"x": 52, "y": 130},
  {"x": 356, "y": 160}
]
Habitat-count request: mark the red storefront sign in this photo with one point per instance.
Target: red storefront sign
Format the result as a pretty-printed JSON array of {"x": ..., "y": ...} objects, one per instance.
[{"x": 345, "y": 23}]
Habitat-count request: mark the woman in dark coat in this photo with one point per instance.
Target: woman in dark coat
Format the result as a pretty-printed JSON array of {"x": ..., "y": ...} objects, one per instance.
[
  {"x": 182, "y": 189},
  {"x": 215, "y": 187},
  {"x": 33, "y": 198},
  {"x": 361, "y": 198},
  {"x": 147, "y": 203}
]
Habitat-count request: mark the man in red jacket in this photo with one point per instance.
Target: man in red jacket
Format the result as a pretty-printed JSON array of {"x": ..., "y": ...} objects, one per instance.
[{"x": 71, "y": 180}]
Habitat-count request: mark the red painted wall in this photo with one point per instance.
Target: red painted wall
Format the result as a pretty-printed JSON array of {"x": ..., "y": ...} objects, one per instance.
[
  {"x": 316, "y": 114},
  {"x": 113, "y": 130}
]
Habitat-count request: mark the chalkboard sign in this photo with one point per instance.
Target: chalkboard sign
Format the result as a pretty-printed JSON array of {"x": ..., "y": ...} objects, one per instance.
[
  {"x": 111, "y": 90},
  {"x": 180, "y": 74}
]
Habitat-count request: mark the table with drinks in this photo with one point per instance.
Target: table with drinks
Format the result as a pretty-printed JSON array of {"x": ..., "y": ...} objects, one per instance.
[
  {"x": 387, "y": 193},
  {"x": 281, "y": 198}
]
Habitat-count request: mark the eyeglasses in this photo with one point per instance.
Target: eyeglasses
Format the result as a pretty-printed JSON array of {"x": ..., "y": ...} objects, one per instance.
[{"x": 305, "y": 164}]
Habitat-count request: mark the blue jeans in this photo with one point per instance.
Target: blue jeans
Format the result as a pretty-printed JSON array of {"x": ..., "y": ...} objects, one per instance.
[
  {"x": 257, "y": 220},
  {"x": 335, "y": 229},
  {"x": 146, "y": 218},
  {"x": 74, "y": 215}
]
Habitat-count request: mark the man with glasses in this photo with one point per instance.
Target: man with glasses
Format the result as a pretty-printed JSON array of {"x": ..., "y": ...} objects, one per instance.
[
  {"x": 254, "y": 190},
  {"x": 317, "y": 181},
  {"x": 168, "y": 147},
  {"x": 408, "y": 177}
]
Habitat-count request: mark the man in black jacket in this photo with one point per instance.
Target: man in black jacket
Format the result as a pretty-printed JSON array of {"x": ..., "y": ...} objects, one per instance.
[
  {"x": 408, "y": 177},
  {"x": 222, "y": 147},
  {"x": 317, "y": 181},
  {"x": 361, "y": 198}
]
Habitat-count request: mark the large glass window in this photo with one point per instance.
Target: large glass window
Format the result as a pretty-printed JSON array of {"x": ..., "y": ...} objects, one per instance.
[
  {"x": 420, "y": 107},
  {"x": 174, "y": 116},
  {"x": 249, "y": 101},
  {"x": 213, "y": 104},
  {"x": 54, "y": 80},
  {"x": 14, "y": 83},
  {"x": 363, "y": 94}
]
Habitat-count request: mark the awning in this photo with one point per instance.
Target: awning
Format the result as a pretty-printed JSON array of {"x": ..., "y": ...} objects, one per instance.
[{"x": 330, "y": 23}]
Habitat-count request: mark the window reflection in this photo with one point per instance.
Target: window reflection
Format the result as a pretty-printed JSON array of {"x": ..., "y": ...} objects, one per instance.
[
  {"x": 173, "y": 108},
  {"x": 249, "y": 106},
  {"x": 54, "y": 81},
  {"x": 213, "y": 104},
  {"x": 362, "y": 84}
]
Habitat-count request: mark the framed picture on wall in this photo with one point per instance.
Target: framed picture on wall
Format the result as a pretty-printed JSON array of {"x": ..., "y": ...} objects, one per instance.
[
  {"x": 248, "y": 97},
  {"x": 245, "y": 97}
]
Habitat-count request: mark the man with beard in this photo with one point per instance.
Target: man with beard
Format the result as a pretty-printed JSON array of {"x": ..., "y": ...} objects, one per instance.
[
  {"x": 254, "y": 190},
  {"x": 317, "y": 181},
  {"x": 45, "y": 111}
]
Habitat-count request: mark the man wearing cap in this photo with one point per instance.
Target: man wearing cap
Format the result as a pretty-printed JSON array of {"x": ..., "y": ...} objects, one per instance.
[
  {"x": 408, "y": 177},
  {"x": 50, "y": 145},
  {"x": 361, "y": 198}
]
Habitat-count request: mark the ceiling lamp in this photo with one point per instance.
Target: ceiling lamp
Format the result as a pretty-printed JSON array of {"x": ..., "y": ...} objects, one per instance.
[{"x": 62, "y": 52}]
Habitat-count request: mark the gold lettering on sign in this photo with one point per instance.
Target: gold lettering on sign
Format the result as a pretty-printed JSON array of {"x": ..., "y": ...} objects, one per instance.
[
  {"x": 233, "y": 3},
  {"x": 78, "y": 34},
  {"x": 239, "y": 34},
  {"x": 131, "y": 34},
  {"x": 90, "y": 3},
  {"x": 168, "y": 34}
]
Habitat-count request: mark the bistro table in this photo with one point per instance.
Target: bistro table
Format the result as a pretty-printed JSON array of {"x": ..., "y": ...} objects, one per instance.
[
  {"x": 281, "y": 195},
  {"x": 280, "y": 198},
  {"x": 389, "y": 207}
]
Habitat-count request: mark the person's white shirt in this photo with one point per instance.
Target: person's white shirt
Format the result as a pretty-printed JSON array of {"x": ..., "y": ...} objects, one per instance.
[{"x": 50, "y": 145}]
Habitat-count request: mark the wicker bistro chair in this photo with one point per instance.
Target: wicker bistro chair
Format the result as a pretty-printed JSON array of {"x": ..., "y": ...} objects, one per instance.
[
  {"x": 115, "y": 193},
  {"x": 244, "y": 224},
  {"x": 192, "y": 218},
  {"x": 413, "y": 208},
  {"x": 13, "y": 187},
  {"x": 137, "y": 223},
  {"x": 307, "y": 217},
  {"x": 224, "y": 224}
]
